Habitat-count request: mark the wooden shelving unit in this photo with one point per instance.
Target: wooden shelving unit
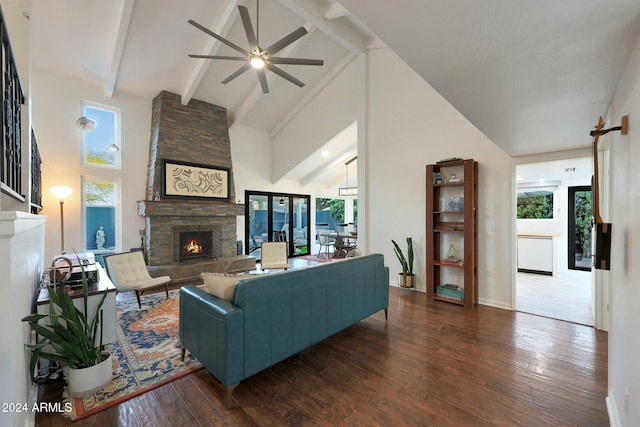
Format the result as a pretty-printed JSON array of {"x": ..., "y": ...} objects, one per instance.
[{"x": 452, "y": 245}]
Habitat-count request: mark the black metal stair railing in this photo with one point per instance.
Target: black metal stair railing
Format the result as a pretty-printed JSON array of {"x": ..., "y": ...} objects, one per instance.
[
  {"x": 11, "y": 118},
  {"x": 36, "y": 179}
]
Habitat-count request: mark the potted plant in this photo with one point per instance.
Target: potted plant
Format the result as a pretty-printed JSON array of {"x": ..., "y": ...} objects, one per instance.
[
  {"x": 406, "y": 279},
  {"x": 69, "y": 335}
]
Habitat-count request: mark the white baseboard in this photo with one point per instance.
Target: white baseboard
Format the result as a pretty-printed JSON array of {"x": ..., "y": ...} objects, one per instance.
[
  {"x": 490, "y": 303},
  {"x": 32, "y": 398},
  {"x": 612, "y": 410},
  {"x": 416, "y": 289},
  {"x": 496, "y": 304}
]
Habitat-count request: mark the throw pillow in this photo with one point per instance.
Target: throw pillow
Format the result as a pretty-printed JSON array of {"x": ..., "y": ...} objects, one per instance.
[{"x": 222, "y": 285}]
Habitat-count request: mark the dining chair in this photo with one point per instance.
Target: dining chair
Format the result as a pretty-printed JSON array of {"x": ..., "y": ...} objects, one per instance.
[
  {"x": 274, "y": 255},
  {"x": 324, "y": 238},
  {"x": 345, "y": 243}
]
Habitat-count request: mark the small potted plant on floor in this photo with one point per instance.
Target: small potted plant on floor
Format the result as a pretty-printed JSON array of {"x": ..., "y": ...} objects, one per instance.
[
  {"x": 406, "y": 279},
  {"x": 73, "y": 337}
]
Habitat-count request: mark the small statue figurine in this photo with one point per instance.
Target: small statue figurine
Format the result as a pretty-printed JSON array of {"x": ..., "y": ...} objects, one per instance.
[{"x": 100, "y": 238}]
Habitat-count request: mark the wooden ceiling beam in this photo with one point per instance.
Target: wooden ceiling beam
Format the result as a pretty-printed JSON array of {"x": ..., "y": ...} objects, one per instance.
[{"x": 122, "y": 29}]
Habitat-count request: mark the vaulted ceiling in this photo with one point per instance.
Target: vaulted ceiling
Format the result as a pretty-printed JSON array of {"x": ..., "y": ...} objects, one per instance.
[{"x": 532, "y": 75}]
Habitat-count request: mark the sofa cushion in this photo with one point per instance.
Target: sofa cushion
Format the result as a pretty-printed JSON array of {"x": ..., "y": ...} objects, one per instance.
[{"x": 222, "y": 285}]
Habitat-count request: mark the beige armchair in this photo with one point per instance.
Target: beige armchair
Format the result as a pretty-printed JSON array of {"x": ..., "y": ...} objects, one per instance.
[
  {"x": 128, "y": 272},
  {"x": 274, "y": 255}
]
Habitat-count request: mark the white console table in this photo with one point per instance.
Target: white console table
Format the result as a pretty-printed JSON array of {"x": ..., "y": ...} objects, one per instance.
[{"x": 96, "y": 290}]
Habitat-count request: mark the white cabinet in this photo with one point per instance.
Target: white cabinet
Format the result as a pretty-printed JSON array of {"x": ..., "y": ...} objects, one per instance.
[{"x": 535, "y": 254}]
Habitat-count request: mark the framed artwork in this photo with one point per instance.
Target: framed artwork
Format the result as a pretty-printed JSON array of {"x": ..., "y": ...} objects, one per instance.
[{"x": 192, "y": 180}]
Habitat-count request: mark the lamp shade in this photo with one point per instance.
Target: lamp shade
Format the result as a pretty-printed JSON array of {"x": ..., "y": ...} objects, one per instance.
[
  {"x": 348, "y": 191},
  {"x": 61, "y": 191},
  {"x": 86, "y": 123},
  {"x": 111, "y": 148}
]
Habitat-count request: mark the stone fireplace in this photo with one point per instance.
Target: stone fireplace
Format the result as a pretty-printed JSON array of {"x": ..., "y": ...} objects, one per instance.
[
  {"x": 196, "y": 243},
  {"x": 194, "y": 133}
]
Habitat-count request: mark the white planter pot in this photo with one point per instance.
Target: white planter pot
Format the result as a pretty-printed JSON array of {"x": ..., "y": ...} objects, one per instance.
[{"x": 89, "y": 380}]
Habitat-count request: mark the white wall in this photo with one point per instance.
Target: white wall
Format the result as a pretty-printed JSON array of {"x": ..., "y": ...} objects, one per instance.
[
  {"x": 56, "y": 106},
  {"x": 21, "y": 243},
  {"x": 409, "y": 125},
  {"x": 331, "y": 111},
  {"x": 624, "y": 339},
  {"x": 252, "y": 170},
  {"x": 251, "y": 156}
]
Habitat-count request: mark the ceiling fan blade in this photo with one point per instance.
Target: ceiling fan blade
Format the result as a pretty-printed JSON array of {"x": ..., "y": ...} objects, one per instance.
[
  {"x": 263, "y": 80},
  {"x": 284, "y": 74},
  {"x": 285, "y": 41},
  {"x": 240, "y": 70},
  {"x": 231, "y": 58},
  {"x": 248, "y": 28},
  {"x": 295, "y": 61},
  {"x": 220, "y": 38}
]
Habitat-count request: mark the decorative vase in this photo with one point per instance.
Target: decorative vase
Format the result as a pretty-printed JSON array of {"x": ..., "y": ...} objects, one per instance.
[
  {"x": 408, "y": 281},
  {"x": 86, "y": 381}
]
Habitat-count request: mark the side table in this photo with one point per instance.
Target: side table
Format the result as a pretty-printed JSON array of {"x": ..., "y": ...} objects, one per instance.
[{"x": 96, "y": 290}]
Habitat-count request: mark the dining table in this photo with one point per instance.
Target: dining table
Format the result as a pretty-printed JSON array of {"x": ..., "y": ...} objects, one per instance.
[{"x": 345, "y": 243}]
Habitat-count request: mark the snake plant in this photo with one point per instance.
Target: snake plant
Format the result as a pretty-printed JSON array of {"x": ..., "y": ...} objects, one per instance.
[
  {"x": 406, "y": 263},
  {"x": 67, "y": 330}
]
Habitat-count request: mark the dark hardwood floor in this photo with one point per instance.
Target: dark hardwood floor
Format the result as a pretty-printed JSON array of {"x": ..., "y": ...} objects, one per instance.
[{"x": 431, "y": 363}]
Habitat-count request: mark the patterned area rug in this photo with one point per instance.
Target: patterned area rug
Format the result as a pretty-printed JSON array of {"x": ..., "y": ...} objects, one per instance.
[
  {"x": 319, "y": 258},
  {"x": 146, "y": 355}
]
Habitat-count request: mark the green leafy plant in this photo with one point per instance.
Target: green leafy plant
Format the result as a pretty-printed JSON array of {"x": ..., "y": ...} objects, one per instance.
[
  {"x": 406, "y": 263},
  {"x": 534, "y": 205},
  {"x": 70, "y": 332},
  {"x": 583, "y": 222}
]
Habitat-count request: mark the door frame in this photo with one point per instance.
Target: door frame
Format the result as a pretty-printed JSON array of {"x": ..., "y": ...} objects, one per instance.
[
  {"x": 571, "y": 225},
  {"x": 270, "y": 197},
  {"x": 601, "y": 294}
]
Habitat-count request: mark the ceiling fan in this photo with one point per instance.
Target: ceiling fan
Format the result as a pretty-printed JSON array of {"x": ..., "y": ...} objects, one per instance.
[{"x": 258, "y": 58}]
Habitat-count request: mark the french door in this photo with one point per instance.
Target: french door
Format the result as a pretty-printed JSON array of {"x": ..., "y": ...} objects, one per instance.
[
  {"x": 579, "y": 228},
  {"x": 277, "y": 217}
]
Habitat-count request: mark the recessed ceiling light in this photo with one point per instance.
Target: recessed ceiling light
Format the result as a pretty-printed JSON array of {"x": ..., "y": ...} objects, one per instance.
[{"x": 324, "y": 153}]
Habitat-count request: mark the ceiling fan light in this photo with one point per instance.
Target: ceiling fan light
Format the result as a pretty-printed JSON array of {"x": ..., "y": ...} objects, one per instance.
[{"x": 257, "y": 62}]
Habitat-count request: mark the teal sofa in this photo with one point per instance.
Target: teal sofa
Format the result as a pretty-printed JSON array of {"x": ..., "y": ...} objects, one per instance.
[{"x": 274, "y": 316}]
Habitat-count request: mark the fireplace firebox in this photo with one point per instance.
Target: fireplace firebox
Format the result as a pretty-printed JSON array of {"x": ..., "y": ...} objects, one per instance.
[{"x": 196, "y": 245}]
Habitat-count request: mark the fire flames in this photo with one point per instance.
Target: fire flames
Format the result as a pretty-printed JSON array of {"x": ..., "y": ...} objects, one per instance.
[{"x": 193, "y": 247}]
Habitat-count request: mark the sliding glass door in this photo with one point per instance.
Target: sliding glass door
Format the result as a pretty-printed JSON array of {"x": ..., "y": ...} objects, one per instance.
[
  {"x": 277, "y": 217},
  {"x": 300, "y": 216}
]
